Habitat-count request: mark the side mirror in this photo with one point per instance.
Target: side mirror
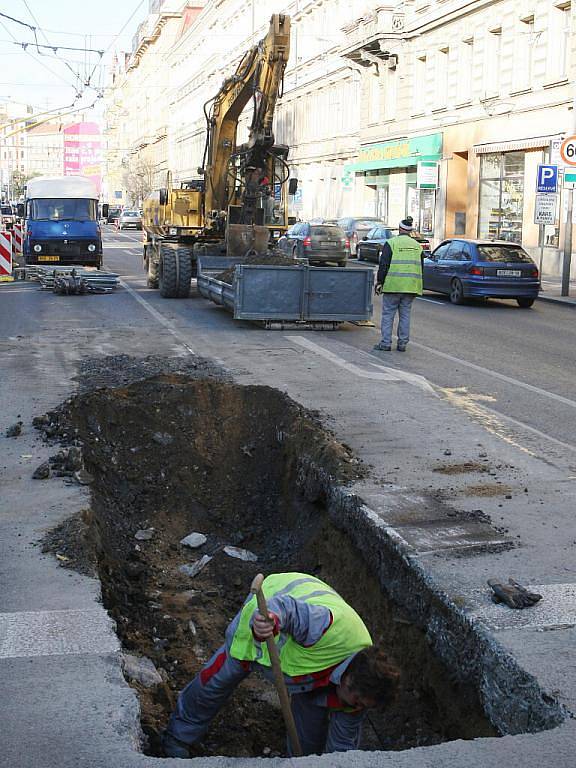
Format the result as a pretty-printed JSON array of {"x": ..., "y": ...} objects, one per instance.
[
  {"x": 21, "y": 210},
  {"x": 292, "y": 186},
  {"x": 365, "y": 237},
  {"x": 163, "y": 197},
  {"x": 105, "y": 209}
]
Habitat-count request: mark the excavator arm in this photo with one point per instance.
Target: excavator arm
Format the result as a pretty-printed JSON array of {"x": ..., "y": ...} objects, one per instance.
[{"x": 258, "y": 76}]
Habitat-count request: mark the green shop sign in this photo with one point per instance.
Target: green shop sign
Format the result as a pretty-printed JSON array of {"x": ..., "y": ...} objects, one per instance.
[{"x": 399, "y": 153}]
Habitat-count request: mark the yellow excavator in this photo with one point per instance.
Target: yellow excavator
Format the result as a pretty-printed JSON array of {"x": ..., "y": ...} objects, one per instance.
[{"x": 238, "y": 205}]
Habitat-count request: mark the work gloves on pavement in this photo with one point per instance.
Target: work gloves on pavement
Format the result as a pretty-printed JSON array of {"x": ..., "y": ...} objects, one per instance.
[{"x": 513, "y": 594}]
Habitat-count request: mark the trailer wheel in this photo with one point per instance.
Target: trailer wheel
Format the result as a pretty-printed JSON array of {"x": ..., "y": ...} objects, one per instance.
[{"x": 175, "y": 272}]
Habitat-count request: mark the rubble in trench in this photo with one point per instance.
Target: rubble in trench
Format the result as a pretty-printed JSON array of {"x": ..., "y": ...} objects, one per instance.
[{"x": 172, "y": 456}]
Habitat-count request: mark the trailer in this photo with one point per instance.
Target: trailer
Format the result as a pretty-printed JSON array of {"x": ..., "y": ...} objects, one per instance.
[{"x": 282, "y": 297}]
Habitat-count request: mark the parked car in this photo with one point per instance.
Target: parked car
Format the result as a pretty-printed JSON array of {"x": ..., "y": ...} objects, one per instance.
[
  {"x": 130, "y": 219},
  {"x": 319, "y": 243},
  {"x": 7, "y": 216},
  {"x": 370, "y": 247},
  {"x": 464, "y": 268},
  {"x": 358, "y": 227},
  {"x": 113, "y": 215}
]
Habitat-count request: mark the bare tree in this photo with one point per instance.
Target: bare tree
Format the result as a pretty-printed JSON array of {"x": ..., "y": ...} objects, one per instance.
[{"x": 138, "y": 179}]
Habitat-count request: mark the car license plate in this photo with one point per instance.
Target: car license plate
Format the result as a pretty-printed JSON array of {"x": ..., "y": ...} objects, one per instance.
[
  {"x": 508, "y": 272},
  {"x": 48, "y": 258}
]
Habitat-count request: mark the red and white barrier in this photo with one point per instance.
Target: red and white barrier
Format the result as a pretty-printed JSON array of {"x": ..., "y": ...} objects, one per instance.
[
  {"x": 18, "y": 241},
  {"x": 5, "y": 256}
]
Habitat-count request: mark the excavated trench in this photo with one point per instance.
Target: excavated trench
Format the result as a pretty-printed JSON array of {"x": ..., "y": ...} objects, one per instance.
[{"x": 170, "y": 456}]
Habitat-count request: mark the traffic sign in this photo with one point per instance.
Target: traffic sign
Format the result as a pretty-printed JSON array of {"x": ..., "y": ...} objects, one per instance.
[
  {"x": 568, "y": 150},
  {"x": 570, "y": 179},
  {"x": 555, "y": 159},
  {"x": 545, "y": 209},
  {"x": 547, "y": 178}
]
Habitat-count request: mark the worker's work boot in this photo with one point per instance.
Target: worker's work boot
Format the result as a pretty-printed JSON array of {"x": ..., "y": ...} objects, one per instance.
[
  {"x": 382, "y": 347},
  {"x": 172, "y": 747}
]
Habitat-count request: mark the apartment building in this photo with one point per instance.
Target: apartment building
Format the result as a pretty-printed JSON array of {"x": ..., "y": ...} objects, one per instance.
[
  {"x": 439, "y": 108},
  {"x": 13, "y": 146},
  {"x": 45, "y": 149}
]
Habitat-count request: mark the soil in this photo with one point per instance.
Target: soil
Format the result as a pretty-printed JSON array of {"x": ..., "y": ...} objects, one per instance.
[
  {"x": 174, "y": 454},
  {"x": 276, "y": 260},
  {"x": 461, "y": 469}
]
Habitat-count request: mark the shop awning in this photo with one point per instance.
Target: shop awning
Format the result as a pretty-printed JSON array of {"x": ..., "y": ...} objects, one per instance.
[
  {"x": 399, "y": 153},
  {"x": 538, "y": 142}
]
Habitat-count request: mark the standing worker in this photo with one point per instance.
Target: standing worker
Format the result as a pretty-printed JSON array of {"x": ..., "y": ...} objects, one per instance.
[
  {"x": 331, "y": 669},
  {"x": 399, "y": 280}
]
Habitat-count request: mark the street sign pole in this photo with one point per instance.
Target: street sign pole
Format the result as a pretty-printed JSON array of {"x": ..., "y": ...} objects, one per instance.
[{"x": 567, "y": 261}]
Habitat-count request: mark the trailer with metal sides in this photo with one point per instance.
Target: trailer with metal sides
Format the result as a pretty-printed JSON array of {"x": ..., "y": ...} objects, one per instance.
[{"x": 280, "y": 297}]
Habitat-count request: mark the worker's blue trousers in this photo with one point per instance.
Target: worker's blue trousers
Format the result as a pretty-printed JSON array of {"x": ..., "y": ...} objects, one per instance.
[{"x": 319, "y": 728}]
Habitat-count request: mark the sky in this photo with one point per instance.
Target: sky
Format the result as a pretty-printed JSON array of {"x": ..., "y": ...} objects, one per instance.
[{"x": 48, "y": 79}]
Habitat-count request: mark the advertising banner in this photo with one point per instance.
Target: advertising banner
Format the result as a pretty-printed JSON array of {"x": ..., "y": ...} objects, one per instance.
[{"x": 83, "y": 152}]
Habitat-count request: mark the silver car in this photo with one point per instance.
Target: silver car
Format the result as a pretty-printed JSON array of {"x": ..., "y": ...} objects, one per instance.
[{"x": 130, "y": 219}]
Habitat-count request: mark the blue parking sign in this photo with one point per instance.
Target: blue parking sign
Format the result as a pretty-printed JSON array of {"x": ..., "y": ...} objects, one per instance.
[{"x": 547, "y": 178}]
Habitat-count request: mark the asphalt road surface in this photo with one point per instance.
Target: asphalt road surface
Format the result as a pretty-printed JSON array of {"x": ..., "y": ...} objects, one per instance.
[{"x": 517, "y": 363}]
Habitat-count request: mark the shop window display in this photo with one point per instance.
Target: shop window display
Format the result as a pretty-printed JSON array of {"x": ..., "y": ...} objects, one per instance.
[{"x": 501, "y": 196}]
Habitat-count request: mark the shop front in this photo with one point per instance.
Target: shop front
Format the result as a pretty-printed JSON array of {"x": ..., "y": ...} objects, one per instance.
[{"x": 398, "y": 178}]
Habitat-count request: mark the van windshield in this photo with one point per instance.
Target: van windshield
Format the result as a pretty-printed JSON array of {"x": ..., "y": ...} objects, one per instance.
[{"x": 63, "y": 209}]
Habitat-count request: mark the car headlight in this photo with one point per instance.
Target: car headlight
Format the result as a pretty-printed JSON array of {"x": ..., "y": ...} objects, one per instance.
[
  {"x": 37, "y": 248},
  {"x": 91, "y": 247}
]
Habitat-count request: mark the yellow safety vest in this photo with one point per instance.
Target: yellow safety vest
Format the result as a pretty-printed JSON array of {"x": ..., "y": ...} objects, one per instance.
[
  {"x": 346, "y": 635},
  {"x": 405, "y": 272}
]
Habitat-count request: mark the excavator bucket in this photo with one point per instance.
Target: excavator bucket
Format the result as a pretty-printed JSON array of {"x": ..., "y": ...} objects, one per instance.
[{"x": 244, "y": 239}]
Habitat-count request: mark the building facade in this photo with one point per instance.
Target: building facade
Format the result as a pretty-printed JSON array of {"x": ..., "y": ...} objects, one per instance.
[{"x": 438, "y": 108}]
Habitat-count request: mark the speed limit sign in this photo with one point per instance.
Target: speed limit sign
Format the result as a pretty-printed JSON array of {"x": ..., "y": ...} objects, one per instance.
[{"x": 568, "y": 150}]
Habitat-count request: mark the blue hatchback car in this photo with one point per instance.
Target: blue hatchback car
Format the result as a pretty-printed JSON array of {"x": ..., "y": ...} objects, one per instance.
[{"x": 474, "y": 269}]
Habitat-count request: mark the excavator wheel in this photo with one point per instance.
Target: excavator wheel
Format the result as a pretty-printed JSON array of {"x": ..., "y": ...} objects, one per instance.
[{"x": 175, "y": 272}]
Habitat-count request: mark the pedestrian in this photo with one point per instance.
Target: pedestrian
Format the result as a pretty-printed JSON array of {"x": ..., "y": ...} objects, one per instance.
[
  {"x": 332, "y": 671},
  {"x": 399, "y": 280}
]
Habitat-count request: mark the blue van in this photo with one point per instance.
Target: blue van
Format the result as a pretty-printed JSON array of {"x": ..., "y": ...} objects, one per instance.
[{"x": 61, "y": 222}]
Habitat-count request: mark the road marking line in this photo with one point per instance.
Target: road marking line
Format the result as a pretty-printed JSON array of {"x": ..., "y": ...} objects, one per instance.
[
  {"x": 432, "y": 301},
  {"x": 496, "y": 375},
  {"x": 383, "y": 374},
  {"x": 168, "y": 324}
]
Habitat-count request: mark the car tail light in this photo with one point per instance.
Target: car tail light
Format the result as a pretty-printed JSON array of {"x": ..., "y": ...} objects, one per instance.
[
  {"x": 307, "y": 242},
  {"x": 476, "y": 270},
  {"x": 534, "y": 272},
  {"x": 347, "y": 243}
]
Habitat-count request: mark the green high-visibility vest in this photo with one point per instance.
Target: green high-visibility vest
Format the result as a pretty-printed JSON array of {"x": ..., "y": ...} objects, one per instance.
[
  {"x": 346, "y": 635},
  {"x": 405, "y": 273}
]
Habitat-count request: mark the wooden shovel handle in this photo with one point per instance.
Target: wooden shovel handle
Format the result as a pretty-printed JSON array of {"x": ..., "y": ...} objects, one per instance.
[{"x": 256, "y": 589}]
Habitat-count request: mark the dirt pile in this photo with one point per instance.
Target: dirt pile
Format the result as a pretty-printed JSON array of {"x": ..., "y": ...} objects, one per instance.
[
  {"x": 172, "y": 456},
  {"x": 276, "y": 259}
]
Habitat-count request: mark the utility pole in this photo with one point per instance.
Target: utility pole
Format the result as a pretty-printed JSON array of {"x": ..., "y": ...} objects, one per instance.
[{"x": 567, "y": 260}]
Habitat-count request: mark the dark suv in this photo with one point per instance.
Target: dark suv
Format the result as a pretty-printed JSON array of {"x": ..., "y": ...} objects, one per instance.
[
  {"x": 357, "y": 227},
  {"x": 319, "y": 243}
]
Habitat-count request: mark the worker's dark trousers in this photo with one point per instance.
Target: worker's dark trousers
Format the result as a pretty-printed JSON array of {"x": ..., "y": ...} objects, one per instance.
[{"x": 320, "y": 730}]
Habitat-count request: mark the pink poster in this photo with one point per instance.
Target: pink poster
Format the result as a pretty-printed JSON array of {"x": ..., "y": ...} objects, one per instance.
[{"x": 83, "y": 152}]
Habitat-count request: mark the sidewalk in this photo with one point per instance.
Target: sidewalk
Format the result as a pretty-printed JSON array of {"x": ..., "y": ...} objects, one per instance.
[{"x": 551, "y": 291}]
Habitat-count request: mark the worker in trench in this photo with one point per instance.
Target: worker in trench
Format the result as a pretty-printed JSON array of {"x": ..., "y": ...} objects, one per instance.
[{"x": 332, "y": 670}]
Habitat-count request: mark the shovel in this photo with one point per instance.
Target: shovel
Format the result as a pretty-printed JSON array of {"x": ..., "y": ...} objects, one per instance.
[{"x": 256, "y": 589}]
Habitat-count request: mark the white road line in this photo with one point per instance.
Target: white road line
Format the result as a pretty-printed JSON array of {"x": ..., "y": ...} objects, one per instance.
[
  {"x": 383, "y": 374},
  {"x": 168, "y": 324},
  {"x": 496, "y": 375},
  {"x": 432, "y": 301}
]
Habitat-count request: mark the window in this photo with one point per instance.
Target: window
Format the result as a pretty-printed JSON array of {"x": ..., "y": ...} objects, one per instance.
[
  {"x": 419, "y": 85},
  {"x": 442, "y": 251},
  {"x": 558, "y": 41},
  {"x": 501, "y": 196},
  {"x": 390, "y": 95},
  {"x": 524, "y": 42},
  {"x": 465, "y": 63},
  {"x": 441, "y": 78},
  {"x": 492, "y": 65}
]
